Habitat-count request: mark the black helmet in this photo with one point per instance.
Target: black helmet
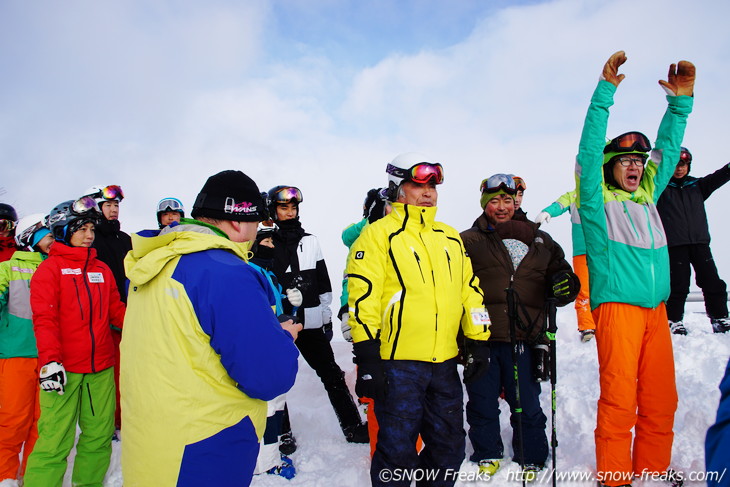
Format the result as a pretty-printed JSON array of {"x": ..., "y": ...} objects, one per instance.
[
  {"x": 169, "y": 204},
  {"x": 9, "y": 218},
  {"x": 282, "y": 194},
  {"x": 67, "y": 217}
]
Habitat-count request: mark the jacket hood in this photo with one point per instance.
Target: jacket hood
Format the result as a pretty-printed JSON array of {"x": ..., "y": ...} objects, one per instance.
[
  {"x": 150, "y": 254},
  {"x": 78, "y": 254}
]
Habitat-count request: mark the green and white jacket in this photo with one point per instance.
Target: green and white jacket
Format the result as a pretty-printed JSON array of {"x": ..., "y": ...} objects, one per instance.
[
  {"x": 16, "y": 319},
  {"x": 626, "y": 245}
]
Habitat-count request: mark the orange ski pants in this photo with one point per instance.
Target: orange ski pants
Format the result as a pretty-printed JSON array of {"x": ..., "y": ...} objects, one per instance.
[
  {"x": 583, "y": 300},
  {"x": 19, "y": 411},
  {"x": 638, "y": 390},
  {"x": 373, "y": 426}
]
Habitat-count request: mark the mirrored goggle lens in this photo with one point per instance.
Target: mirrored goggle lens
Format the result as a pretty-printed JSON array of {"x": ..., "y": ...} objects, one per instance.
[
  {"x": 685, "y": 157},
  {"x": 83, "y": 205},
  {"x": 6, "y": 225},
  {"x": 499, "y": 182},
  {"x": 425, "y": 172},
  {"x": 519, "y": 183},
  {"x": 27, "y": 235},
  {"x": 169, "y": 205},
  {"x": 629, "y": 142},
  {"x": 285, "y": 195},
  {"x": 112, "y": 193}
]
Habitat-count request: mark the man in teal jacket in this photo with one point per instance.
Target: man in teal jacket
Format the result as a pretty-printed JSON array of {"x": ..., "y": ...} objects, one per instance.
[{"x": 629, "y": 276}]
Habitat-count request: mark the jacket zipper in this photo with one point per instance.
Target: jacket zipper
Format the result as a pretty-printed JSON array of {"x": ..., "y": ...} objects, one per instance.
[
  {"x": 91, "y": 311},
  {"x": 418, "y": 261}
]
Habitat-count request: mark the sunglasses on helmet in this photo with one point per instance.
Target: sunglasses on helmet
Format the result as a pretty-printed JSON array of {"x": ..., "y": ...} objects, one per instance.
[
  {"x": 420, "y": 173},
  {"x": 170, "y": 204},
  {"x": 6, "y": 225},
  {"x": 112, "y": 192},
  {"x": 499, "y": 182},
  {"x": 287, "y": 195},
  {"x": 84, "y": 205},
  {"x": 628, "y": 142}
]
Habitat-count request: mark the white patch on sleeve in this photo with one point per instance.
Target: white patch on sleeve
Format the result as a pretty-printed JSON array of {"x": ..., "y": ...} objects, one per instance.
[{"x": 480, "y": 317}]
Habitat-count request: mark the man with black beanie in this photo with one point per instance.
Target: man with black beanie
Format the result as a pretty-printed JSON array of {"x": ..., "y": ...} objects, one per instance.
[{"x": 202, "y": 349}]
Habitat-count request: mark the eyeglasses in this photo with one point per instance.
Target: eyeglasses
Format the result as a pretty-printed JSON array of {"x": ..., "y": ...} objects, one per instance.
[
  {"x": 112, "y": 192},
  {"x": 6, "y": 225},
  {"x": 170, "y": 204},
  {"x": 499, "y": 182},
  {"x": 288, "y": 194},
  {"x": 628, "y": 142},
  {"x": 519, "y": 183},
  {"x": 627, "y": 161},
  {"x": 83, "y": 205}
]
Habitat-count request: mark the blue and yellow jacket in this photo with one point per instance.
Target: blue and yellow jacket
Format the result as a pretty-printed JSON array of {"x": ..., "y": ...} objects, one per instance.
[
  {"x": 627, "y": 254},
  {"x": 411, "y": 285},
  {"x": 200, "y": 355}
]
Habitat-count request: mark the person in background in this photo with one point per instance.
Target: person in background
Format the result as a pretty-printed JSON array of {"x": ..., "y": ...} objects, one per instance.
[
  {"x": 169, "y": 210},
  {"x": 74, "y": 300},
  {"x": 19, "y": 408},
  {"x": 629, "y": 267},
  {"x": 298, "y": 263},
  {"x": 112, "y": 245},
  {"x": 521, "y": 186},
  {"x": 8, "y": 221},
  {"x": 220, "y": 355},
  {"x": 411, "y": 289},
  {"x": 682, "y": 208},
  {"x": 515, "y": 254},
  {"x": 567, "y": 202}
]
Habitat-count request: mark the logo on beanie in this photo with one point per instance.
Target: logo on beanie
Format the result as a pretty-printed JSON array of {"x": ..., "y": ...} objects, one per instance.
[{"x": 238, "y": 208}]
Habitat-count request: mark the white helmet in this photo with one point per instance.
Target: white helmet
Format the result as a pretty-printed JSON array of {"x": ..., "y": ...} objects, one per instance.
[
  {"x": 405, "y": 167},
  {"x": 27, "y": 227},
  {"x": 101, "y": 193}
]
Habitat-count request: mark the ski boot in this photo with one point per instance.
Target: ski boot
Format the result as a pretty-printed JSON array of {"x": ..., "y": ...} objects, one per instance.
[
  {"x": 587, "y": 335},
  {"x": 488, "y": 467},
  {"x": 720, "y": 325},
  {"x": 677, "y": 328}
]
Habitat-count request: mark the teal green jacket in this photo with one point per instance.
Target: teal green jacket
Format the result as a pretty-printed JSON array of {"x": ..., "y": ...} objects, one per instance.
[
  {"x": 626, "y": 245},
  {"x": 349, "y": 235},
  {"x": 16, "y": 320},
  {"x": 568, "y": 202}
]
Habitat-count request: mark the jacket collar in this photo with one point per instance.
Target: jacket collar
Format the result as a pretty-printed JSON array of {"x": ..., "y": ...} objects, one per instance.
[
  {"x": 60, "y": 249},
  {"x": 417, "y": 215}
]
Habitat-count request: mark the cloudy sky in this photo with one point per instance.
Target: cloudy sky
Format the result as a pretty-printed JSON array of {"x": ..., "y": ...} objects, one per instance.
[{"x": 322, "y": 94}]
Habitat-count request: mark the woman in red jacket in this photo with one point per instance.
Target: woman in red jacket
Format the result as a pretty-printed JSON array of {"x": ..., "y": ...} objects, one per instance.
[{"x": 74, "y": 299}]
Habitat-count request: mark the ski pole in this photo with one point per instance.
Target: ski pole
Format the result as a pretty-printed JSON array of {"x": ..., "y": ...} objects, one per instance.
[
  {"x": 512, "y": 315},
  {"x": 551, "y": 332}
]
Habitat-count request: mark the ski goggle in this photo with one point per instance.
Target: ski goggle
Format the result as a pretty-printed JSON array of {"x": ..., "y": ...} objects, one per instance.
[
  {"x": 499, "y": 182},
  {"x": 25, "y": 239},
  {"x": 7, "y": 225},
  {"x": 83, "y": 205},
  {"x": 685, "y": 157},
  {"x": 628, "y": 142},
  {"x": 288, "y": 194},
  {"x": 170, "y": 204},
  {"x": 112, "y": 192},
  {"x": 420, "y": 173},
  {"x": 519, "y": 183}
]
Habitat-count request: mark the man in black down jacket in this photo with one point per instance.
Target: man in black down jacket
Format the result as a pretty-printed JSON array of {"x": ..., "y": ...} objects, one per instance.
[
  {"x": 682, "y": 208},
  {"x": 511, "y": 253}
]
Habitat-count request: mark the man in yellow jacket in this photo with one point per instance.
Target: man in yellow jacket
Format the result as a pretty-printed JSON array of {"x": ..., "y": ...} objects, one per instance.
[{"x": 411, "y": 288}]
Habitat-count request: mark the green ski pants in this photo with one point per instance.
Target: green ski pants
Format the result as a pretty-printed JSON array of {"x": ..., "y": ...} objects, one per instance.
[{"x": 89, "y": 401}]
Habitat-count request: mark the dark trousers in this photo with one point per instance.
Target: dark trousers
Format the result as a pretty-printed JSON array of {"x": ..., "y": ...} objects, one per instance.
[
  {"x": 713, "y": 288},
  {"x": 317, "y": 352},
  {"x": 482, "y": 410},
  {"x": 425, "y": 398}
]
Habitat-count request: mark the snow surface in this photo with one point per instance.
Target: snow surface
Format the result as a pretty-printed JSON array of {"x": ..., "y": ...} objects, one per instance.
[{"x": 324, "y": 458}]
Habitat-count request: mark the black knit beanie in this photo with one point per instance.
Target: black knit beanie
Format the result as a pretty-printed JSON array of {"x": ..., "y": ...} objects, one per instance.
[{"x": 230, "y": 195}]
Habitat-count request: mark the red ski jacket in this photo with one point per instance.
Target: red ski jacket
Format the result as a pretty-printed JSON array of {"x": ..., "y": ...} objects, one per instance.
[{"x": 74, "y": 299}]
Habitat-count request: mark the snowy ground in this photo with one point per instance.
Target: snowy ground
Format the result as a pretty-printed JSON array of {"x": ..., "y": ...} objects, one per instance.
[{"x": 325, "y": 459}]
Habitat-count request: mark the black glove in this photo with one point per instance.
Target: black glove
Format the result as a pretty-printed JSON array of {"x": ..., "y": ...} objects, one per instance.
[
  {"x": 370, "y": 376},
  {"x": 476, "y": 359},
  {"x": 565, "y": 287},
  {"x": 327, "y": 329}
]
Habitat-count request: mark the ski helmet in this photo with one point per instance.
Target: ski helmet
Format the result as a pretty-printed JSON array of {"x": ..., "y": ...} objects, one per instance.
[
  {"x": 411, "y": 166},
  {"x": 281, "y": 195},
  {"x": 30, "y": 230},
  {"x": 67, "y": 217},
  {"x": 169, "y": 204},
  {"x": 685, "y": 156},
  {"x": 624, "y": 144},
  {"x": 105, "y": 193},
  {"x": 8, "y": 218}
]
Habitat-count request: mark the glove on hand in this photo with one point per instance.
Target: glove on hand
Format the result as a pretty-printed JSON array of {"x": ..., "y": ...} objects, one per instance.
[
  {"x": 476, "y": 359},
  {"x": 565, "y": 286},
  {"x": 542, "y": 217},
  {"x": 370, "y": 376},
  {"x": 610, "y": 69},
  {"x": 53, "y": 377},
  {"x": 680, "y": 80},
  {"x": 345, "y": 327},
  {"x": 327, "y": 329},
  {"x": 294, "y": 296}
]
